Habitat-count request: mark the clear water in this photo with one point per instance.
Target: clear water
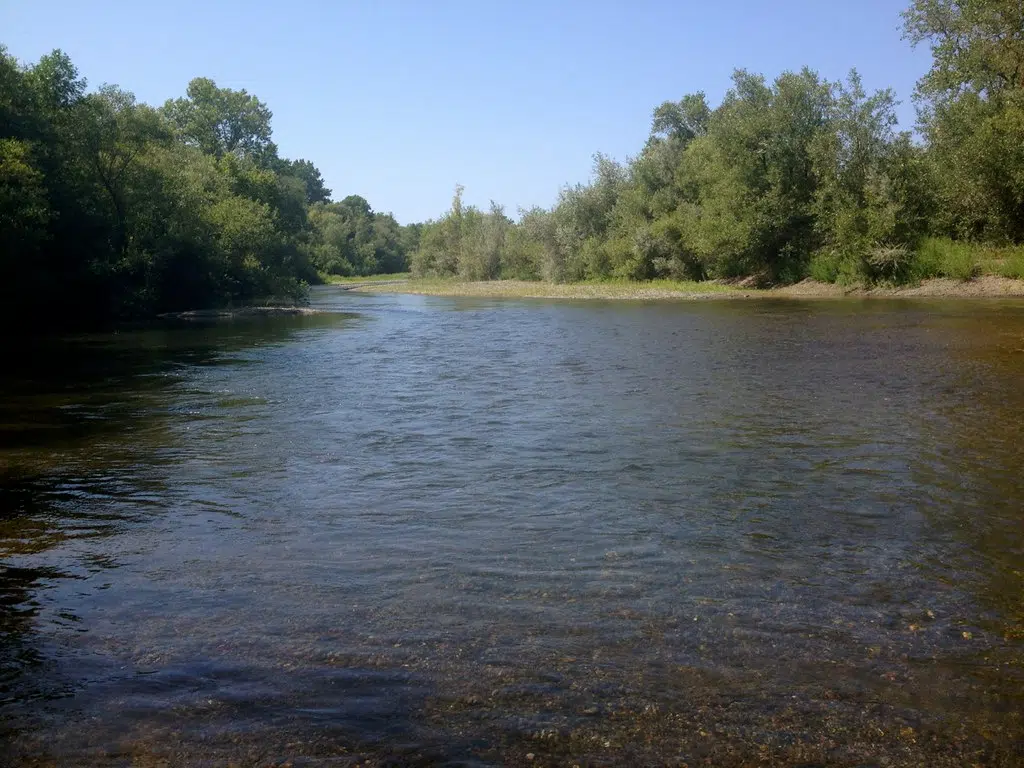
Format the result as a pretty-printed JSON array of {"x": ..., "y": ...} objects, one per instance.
[{"x": 471, "y": 532}]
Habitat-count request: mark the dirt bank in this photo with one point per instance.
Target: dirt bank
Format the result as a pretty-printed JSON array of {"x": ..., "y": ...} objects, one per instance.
[{"x": 988, "y": 286}]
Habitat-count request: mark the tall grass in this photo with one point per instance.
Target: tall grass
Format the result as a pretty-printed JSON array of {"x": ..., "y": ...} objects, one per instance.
[
  {"x": 1011, "y": 263},
  {"x": 339, "y": 280},
  {"x": 940, "y": 257},
  {"x": 933, "y": 257},
  {"x": 832, "y": 267}
]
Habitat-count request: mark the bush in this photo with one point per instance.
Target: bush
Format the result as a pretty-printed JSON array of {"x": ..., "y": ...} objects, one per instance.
[
  {"x": 830, "y": 266},
  {"x": 889, "y": 263},
  {"x": 1012, "y": 263},
  {"x": 825, "y": 267},
  {"x": 941, "y": 257}
]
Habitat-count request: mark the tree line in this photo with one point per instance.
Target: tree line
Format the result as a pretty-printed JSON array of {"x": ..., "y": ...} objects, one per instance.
[
  {"x": 111, "y": 209},
  {"x": 789, "y": 178}
]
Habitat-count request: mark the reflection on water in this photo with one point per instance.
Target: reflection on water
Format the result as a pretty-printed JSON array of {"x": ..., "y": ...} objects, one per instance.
[
  {"x": 474, "y": 532},
  {"x": 86, "y": 433}
]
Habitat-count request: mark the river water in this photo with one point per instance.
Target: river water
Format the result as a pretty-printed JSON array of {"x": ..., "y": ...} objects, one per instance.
[{"x": 419, "y": 530}]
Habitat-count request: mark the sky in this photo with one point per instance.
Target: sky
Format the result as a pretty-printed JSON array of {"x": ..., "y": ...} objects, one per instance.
[{"x": 400, "y": 100}]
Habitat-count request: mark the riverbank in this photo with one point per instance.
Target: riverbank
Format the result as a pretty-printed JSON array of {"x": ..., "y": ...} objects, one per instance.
[
  {"x": 222, "y": 314},
  {"x": 360, "y": 279},
  {"x": 987, "y": 286}
]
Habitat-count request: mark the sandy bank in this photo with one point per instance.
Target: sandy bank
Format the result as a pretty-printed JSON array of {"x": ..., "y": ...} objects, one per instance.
[{"x": 989, "y": 286}]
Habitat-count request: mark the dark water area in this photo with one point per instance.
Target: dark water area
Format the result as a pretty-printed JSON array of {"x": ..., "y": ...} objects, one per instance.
[{"x": 418, "y": 531}]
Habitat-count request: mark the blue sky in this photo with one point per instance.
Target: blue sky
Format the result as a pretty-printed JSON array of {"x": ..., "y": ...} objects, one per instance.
[{"x": 400, "y": 100}]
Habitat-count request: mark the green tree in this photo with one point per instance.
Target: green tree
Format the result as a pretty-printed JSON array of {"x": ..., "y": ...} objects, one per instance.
[
  {"x": 122, "y": 212},
  {"x": 977, "y": 45},
  {"x": 530, "y": 247},
  {"x": 350, "y": 238},
  {"x": 309, "y": 175},
  {"x": 748, "y": 184},
  {"x": 119, "y": 130},
  {"x": 485, "y": 240},
  {"x": 441, "y": 241},
  {"x": 872, "y": 191},
  {"x": 222, "y": 121},
  {"x": 972, "y": 112},
  {"x": 24, "y": 217}
]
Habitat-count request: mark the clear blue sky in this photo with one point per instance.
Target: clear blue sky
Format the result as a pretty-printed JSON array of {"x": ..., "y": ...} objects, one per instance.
[{"x": 399, "y": 100}]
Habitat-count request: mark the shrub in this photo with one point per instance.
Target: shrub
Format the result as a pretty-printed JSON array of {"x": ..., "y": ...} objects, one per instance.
[
  {"x": 830, "y": 266},
  {"x": 889, "y": 263},
  {"x": 825, "y": 267},
  {"x": 1012, "y": 264},
  {"x": 941, "y": 257}
]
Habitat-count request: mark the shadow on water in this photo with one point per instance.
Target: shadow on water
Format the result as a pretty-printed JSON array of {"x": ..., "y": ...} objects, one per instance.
[{"x": 84, "y": 432}]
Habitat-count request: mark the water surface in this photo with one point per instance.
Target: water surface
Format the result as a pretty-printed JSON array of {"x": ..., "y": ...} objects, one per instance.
[{"x": 419, "y": 530}]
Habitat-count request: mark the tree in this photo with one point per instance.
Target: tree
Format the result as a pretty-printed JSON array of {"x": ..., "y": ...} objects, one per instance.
[
  {"x": 220, "y": 121},
  {"x": 349, "y": 238},
  {"x": 24, "y": 216},
  {"x": 682, "y": 120},
  {"x": 485, "y": 237},
  {"x": 872, "y": 193},
  {"x": 747, "y": 186},
  {"x": 441, "y": 241},
  {"x": 977, "y": 45},
  {"x": 972, "y": 112},
  {"x": 119, "y": 130},
  {"x": 121, "y": 212},
  {"x": 55, "y": 83},
  {"x": 309, "y": 175}
]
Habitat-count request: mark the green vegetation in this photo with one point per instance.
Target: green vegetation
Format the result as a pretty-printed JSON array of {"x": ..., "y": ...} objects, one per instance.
[
  {"x": 961, "y": 260},
  {"x": 543, "y": 289},
  {"x": 791, "y": 178},
  {"x": 113, "y": 209},
  {"x": 358, "y": 279},
  {"x": 350, "y": 239}
]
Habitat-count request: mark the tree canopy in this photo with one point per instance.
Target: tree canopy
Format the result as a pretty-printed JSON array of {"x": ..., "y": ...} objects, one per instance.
[
  {"x": 789, "y": 177},
  {"x": 121, "y": 210},
  {"x": 118, "y": 210}
]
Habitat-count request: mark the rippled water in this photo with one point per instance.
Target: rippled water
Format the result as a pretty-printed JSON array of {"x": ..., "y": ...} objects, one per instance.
[{"x": 421, "y": 530}]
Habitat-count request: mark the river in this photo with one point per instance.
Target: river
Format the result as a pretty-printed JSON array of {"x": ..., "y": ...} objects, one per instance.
[{"x": 417, "y": 530}]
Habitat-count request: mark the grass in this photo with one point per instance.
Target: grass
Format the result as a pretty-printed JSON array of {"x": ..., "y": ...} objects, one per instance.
[
  {"x": 893, "y": 269},
  {"x": 605, "y": 289},
  {"x": 1012, "y": 263},
  {"x": 939, "y": 257},
  {"x": 337, "y": 280},
  {"x": 933, "y": 258}
]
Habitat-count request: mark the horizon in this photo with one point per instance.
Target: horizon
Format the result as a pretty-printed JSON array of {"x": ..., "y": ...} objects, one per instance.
[{"x": 527, "y": 108}]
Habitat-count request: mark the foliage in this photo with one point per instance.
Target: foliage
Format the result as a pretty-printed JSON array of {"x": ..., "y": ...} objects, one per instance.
[
  {"x": 119, "y": 210},
  {"x": 349, "y": 238},
  {"x": 1011, "y": 263},
  {"x": 778, "y": 177},
  {"x": 789, "y": 178},
  {"x": 122, "y": 210},
  {"x": 972, "y": 113},
  {"x": 221, "y": 121}
]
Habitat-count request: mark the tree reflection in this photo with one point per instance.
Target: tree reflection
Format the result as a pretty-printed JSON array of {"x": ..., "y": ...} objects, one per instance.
[{"x": 85, "y": 436}]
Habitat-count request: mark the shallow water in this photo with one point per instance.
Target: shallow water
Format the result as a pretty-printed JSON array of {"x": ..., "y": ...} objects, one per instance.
[{"x": 422, "y": 530}]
